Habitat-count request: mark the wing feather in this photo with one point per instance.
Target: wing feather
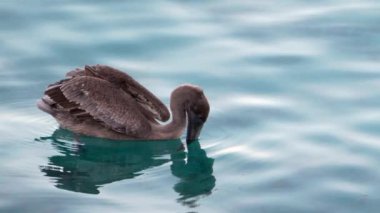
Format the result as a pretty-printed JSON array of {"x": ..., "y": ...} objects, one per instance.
[
  {"x": 105, "y": 102},
  {"x": 150, "y": 106}
]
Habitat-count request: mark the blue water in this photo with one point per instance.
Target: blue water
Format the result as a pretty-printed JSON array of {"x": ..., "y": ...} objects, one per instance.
[{"x": 294, "y": 88}]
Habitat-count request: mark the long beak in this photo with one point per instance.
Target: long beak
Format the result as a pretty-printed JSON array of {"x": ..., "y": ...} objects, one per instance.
[{"x": 194, "y": 127}]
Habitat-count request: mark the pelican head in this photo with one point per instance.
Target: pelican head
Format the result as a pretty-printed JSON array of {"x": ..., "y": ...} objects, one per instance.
[{"x": 196, "y": 107}]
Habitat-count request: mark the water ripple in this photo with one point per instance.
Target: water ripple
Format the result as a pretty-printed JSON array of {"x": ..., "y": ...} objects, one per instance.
[{"x": 293, "y": 88}]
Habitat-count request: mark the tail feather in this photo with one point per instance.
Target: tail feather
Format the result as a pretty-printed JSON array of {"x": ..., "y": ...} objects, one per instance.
[
  {"x": 55, "y": 94},
  {"x": 42, "y": 105}
]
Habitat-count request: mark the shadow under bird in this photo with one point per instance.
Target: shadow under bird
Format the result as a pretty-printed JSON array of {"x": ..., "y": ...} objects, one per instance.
[{"x": 104, "y": 102}]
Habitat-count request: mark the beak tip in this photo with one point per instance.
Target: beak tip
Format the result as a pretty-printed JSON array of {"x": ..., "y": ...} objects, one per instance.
[
  {"x": 191, "y": 141},
  {"x": 188, "y": 141}
]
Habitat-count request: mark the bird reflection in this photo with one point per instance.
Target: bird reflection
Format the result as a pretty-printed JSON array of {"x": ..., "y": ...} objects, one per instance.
[
  {"x": 86, "y": 163},
  {"x": 195, "y": 175}
]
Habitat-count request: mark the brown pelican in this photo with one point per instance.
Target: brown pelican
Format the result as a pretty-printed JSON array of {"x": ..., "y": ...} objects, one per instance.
[{"x": 102, "y": 101}]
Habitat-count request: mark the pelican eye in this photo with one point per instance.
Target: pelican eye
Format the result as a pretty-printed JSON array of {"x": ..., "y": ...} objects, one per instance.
[
  {"x": 201, "y": 117},
  {"x": 196, "y": 109}
]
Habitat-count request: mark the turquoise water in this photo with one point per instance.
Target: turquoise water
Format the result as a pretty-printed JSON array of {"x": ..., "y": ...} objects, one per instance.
[{"x": 294, "y": 88}]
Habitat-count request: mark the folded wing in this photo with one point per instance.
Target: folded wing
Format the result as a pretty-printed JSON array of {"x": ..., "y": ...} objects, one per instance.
[
  {"x": 150, "y": 105},
  {"x": 85, "y": 96}
]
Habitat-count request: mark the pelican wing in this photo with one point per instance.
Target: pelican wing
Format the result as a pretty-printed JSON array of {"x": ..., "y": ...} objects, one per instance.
[
  {"x": 150, "y": 105},
  {"x": 104, "y": 102}
]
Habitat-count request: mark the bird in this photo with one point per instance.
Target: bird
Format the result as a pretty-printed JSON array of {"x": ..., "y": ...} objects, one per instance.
[{"x": 102, "y": 101}]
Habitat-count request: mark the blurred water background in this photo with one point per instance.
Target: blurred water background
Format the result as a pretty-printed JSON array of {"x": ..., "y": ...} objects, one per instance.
[{"x": 294, "y": 88}]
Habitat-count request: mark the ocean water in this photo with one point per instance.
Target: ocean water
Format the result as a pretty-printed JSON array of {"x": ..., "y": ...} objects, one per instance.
[{"x": 294, "y": 88}]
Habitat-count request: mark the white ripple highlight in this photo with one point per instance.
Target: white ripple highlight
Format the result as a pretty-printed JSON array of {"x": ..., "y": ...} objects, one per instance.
[
  {"x": 250, "y": 100},
  {"x": 295, "y": 13},
  {"x": 244, "y": 151}
]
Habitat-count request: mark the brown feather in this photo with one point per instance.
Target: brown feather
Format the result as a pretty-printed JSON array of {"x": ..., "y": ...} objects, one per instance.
[
  {"x": 106, "y": 103},
  {"x": 150, "y": 106},
  {"x": 55, "y": 93}
]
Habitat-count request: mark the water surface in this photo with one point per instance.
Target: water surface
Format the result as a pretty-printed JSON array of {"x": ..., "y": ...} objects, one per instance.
[{"x": 294, "y": 88}]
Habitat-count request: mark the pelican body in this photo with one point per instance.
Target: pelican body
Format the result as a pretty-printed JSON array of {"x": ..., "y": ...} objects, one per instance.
[{"x": 104, "y": 102}]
